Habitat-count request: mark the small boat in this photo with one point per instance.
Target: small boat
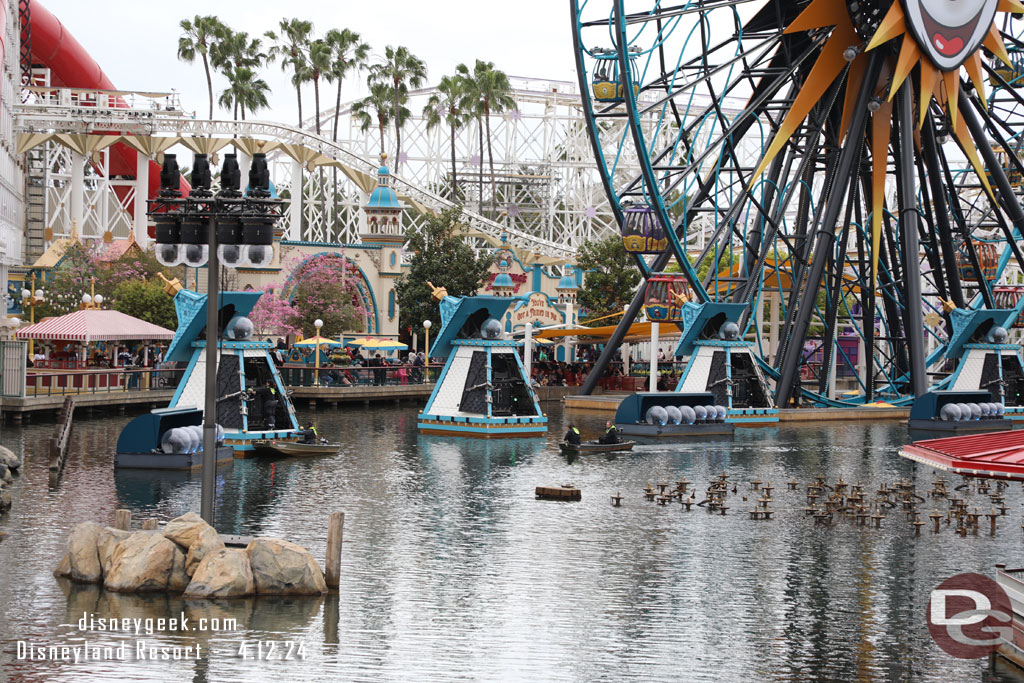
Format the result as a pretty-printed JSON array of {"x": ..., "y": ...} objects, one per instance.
[
  {"x": 295, "y": 449},
  {"x": 596, "y": 447}
]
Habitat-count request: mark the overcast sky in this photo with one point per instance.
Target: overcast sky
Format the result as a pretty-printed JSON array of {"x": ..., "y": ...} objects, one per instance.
[{"x": 135, "y": 42}]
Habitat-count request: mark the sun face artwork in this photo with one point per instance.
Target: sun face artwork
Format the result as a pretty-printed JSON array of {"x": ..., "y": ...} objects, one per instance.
[
  {"x": 938, "y": 37},
  {"x": 949, "y": 30}
]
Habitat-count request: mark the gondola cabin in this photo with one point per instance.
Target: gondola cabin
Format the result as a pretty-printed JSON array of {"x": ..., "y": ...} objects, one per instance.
[
  {"x": 1009, "y": 169},
  {"x": 988, "y": 259},
  {"x": 606, "y": 82},
  {"x": 1013, "y": 75},
  {"x": 1008, "y": 297},
  {"x": 664, "y": 297},
  {"x": 642, "y": 232}
]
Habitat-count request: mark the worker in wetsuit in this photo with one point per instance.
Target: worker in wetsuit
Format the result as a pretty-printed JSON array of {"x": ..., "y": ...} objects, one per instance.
[
  {"x": 308, "y": 433},
  {"x": 268, "y": 401},
  {"x": 611, "y": 434},
  {"x": 572, "y": 436}
]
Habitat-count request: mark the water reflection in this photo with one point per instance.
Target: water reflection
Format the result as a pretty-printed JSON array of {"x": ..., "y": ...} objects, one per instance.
[{"x": 452, "y": 570}]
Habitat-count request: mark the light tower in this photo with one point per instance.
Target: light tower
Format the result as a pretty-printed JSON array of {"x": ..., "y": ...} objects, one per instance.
[{"x": 567, "y": 290}]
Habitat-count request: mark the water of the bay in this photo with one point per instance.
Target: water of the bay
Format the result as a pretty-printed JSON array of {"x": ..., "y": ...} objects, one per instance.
[{"x": 451, "y": 569}]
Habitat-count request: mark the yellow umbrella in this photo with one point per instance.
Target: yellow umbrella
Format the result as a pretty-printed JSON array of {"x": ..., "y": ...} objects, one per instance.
[{"x": 318, "y": 341}]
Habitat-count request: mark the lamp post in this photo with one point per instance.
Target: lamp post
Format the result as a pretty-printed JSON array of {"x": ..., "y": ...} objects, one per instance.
[
  {"x": 426, "y": 357},
  {"x": 31, "y": 297},
  {"x": 318, "y": 323},
  {"x": 229, "y": 228}
]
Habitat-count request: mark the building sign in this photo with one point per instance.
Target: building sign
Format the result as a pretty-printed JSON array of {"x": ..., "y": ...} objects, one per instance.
[
  {"x": 518, "y": 278},
  {"x": 537, "y": 310}
]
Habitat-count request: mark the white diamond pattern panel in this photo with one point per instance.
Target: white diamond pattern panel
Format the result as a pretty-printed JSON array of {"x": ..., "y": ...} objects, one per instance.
[
  {"x": 449, "y": 395},
  {"x": 970, "y": 376},
  {"x": 194, "y": 395},
  {"x": 697, "y": 378}
]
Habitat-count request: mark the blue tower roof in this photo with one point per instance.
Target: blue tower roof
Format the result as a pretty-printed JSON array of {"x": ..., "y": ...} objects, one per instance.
[
  {"x": 568, "y": 280},
  {"x": 503, "y": 280},
  {"x": 383, "y": 197}
]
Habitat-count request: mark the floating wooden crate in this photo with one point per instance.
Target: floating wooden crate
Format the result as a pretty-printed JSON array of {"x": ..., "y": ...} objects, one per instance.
[{"x": 558, "y": 493}]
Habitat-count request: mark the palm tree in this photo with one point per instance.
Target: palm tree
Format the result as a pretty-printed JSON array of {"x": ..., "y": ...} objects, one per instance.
[
  {"x": 401, "y": 70},
  {"x": 200, "y": 32},
  {"x": 233, "y": 50},
  {"x": 349, "y": 52},
  {"x": 487, "y": 92},
  {"x": 246, "y": 91},
  {"x": 444, "y": 106},
  {"x": 290, "y": 44},
  {"x": 377, "y": 106},
  {"x": 320, "y": 61}
]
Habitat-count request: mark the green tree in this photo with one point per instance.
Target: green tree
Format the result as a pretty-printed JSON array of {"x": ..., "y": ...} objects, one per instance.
[
  {"x": 145, "y": 300},
  {"x": 326, "y": 288},
  {"x": 321, "y": 59},
  {"x": 439, "y": 256},
  {"x": 374, "y": 108},
  {"x": 232, "y": 51},
  {"x": 291, "y": 42},
  {"x": 611, "y": 277},
  {"x": 444, "y": 106},
  {"x": 487, "y": 91},
  {"x": 84, "y": 270},
  {"x": 246, "y": 92},
  {"x": 200, "y": 33},
  {"x": 400, "y": 71},
  {"x": 349, "y": 53},
  {"x": 67, "y": 282}
]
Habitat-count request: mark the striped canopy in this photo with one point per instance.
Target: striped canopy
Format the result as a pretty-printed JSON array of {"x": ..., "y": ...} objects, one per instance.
[{"x": 91, "y": 325}]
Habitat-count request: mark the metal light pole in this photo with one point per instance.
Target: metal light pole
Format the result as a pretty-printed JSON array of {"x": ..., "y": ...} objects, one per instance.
[
  {"x": 426, "y": 357},
  {"x": 210, "y": 409},
  {"x": 318, "y": 323},
  {"x": 30, "y": 297},
  {"x": 193, "y": 231}
]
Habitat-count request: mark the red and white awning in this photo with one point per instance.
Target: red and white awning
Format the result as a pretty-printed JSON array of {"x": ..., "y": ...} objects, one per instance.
[{"x": 91, "y": 325}]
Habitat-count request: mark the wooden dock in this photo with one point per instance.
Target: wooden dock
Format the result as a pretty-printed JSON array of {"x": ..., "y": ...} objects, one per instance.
[{"x": 17, "y": 408}]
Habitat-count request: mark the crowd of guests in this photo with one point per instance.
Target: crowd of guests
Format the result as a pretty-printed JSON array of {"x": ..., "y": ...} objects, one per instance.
[
  {"x": 546, "y": 372},
  {"x": 83, "y": 357},
  {"x": 348, "y": 366}
]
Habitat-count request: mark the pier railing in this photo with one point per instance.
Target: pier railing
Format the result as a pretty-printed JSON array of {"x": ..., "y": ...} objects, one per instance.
[
  {"x": 301, "y": 375},
  {"x": 60, "y": 382}
]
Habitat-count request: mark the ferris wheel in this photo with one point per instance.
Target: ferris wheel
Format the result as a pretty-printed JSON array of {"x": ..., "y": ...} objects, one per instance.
[{"x": 847, "y": 170}]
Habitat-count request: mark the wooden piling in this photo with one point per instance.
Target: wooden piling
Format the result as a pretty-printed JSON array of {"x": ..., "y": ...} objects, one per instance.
[
  {"x": 149, "y": 524},
  {"x": 123, "y": 520},
  {"x": 335, "y": 525}
]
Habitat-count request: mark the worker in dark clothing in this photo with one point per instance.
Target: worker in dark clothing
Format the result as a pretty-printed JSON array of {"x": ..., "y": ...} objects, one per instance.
[
  {"x": 572, "y": 436},
  {"x": 308, "y": 433},
  {"x": 268, "y": 402},
  {"x": 611, "y": 434}
]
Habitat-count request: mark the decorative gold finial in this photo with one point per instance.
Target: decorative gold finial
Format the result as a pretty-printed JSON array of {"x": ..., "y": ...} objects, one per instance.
[
  {"x": 171, "y": 287},
  {"x": 438, "y": 293}
]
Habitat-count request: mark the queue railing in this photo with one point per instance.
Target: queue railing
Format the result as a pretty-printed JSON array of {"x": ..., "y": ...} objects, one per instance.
[
  {"x": 302, "y": 375},
  {"x": 41, "y": 382}
]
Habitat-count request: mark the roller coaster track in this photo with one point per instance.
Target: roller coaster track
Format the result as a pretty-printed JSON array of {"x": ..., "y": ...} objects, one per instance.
[{"x": 71, "y": 119}]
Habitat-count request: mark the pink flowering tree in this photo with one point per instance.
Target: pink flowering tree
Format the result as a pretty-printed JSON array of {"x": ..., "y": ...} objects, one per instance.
[
  {"x": 273, "y": 315},
  {"x": 325, "y": 287}
]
